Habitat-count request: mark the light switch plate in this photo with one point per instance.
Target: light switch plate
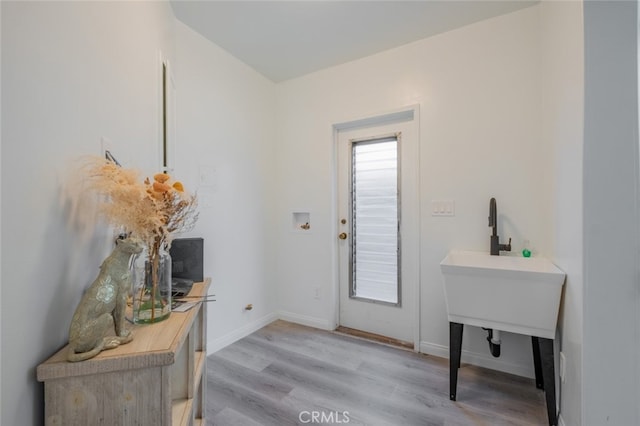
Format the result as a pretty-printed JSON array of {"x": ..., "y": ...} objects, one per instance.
[{"x": 443, "y": 208}]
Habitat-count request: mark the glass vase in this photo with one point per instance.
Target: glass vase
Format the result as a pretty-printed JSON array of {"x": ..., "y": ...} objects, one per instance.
[{"x": 151, "y": 287}]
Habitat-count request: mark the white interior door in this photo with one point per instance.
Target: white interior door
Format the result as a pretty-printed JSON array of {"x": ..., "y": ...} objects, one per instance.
[{"x": 378, "y": 230}]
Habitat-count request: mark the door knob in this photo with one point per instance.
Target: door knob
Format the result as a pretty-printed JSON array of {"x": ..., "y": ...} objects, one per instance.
[{"x": 343, "y": 236}]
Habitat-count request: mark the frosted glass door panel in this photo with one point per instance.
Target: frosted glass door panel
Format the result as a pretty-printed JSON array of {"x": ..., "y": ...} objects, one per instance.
[{"x": 374, "y": 208}]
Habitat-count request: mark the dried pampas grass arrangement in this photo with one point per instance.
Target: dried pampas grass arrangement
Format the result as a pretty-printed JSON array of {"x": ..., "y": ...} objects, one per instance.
[{"x": 153, "y": 210}]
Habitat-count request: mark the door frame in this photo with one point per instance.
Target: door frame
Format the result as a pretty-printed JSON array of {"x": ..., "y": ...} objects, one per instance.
[{"x": 409, "y": 114}]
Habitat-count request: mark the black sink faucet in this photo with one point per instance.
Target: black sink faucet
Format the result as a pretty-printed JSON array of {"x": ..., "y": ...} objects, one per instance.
[{"x": 496, "y": 247}]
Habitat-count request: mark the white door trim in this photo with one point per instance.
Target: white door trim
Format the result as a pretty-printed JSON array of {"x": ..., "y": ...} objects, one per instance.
[{"x": 410, "y": 113}]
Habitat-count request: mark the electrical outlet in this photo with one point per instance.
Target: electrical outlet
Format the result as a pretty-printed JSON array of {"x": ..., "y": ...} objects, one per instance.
[{"x": 563, "y": 367}]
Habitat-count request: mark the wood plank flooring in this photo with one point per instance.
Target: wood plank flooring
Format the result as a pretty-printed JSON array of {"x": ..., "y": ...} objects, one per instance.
[{"x": 288, "y": 374}]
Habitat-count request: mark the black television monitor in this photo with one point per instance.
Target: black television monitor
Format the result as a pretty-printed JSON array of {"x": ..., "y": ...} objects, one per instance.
[{"x": 187, "y": 258}]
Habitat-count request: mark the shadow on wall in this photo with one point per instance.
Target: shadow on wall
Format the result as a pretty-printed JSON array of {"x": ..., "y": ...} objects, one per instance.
[{"x": 70, "y": 257}]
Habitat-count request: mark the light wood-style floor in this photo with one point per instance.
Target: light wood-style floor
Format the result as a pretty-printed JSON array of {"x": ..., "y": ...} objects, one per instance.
[{"x": 285, "y": 374}]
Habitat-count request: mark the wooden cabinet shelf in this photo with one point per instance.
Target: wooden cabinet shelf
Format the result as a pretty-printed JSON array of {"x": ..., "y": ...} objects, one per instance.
[{"x": 157, "y": 379}]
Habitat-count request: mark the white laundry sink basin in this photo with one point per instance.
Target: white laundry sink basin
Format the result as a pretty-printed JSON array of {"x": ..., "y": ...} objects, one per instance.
[{"x": 509, "y": 293}]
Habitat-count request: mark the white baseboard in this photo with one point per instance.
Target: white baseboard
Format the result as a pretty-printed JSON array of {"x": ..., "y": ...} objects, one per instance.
[
  {"x": 314, "y": 322},
  {"x": 480, "y": 360},
  {"x": 561, "y": 420},
  {"x": 239, "y": 333},
  {"x": 247, "y": 329}
]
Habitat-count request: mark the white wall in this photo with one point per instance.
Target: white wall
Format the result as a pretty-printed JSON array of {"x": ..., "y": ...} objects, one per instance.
[
  {"x": 479, "y": 92},
  {"x": 562, "y": 123},
  {"x": 226, "y": 123},
  {"x": 71, "y": 73},
  {"x": 0, "y": 207},
  {"x": 611, "y": 218}
]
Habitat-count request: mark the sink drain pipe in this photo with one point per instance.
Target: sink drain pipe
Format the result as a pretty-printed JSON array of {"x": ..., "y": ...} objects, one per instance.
[{"x": 494, "y": 341}]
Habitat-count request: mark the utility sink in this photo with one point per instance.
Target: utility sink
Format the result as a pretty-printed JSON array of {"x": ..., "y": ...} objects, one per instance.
[{"x": 509, "y": 293}]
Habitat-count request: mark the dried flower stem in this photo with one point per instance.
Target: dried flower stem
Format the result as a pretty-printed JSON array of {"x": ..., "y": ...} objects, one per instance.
[{"x": 151, "y": 210}]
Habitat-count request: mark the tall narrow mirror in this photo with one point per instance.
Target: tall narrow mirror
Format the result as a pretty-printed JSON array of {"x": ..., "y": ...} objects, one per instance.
[{"x": 167, "y": 116}]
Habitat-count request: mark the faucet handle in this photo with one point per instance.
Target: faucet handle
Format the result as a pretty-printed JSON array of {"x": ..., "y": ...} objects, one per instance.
[{"x": 506, "y": 247}]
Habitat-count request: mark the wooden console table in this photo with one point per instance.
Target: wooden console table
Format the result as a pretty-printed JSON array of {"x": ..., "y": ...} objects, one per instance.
[{"x": 157, "y": 379}]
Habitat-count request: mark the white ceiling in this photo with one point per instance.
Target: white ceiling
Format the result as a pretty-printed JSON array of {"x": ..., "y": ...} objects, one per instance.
[{"x": 287, "y": 39}]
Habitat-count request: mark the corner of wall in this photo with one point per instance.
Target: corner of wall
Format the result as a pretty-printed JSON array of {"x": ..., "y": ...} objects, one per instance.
[
  {"x": 561, "y": 420},
  {"x": 611, "y": 171},
  {"x": 309, "y": 321},
  {"x": 562, "y": 58},
  {"x": 1, "y": 381},
  {"x": 237, "y": 334}
]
